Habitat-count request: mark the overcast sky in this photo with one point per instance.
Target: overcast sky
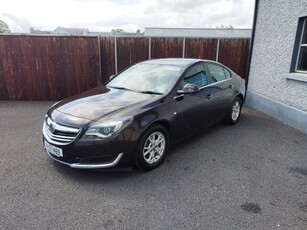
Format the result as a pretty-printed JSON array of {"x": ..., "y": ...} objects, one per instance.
[{"x": 130, "y": 15}]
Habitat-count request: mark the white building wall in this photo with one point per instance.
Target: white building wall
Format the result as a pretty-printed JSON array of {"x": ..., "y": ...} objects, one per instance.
[
  {"x": 272, "y": 53},
  {"x": 271, "y": 87}
]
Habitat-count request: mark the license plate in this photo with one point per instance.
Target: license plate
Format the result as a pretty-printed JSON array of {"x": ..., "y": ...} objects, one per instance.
[{"x": 53, "y": 150}]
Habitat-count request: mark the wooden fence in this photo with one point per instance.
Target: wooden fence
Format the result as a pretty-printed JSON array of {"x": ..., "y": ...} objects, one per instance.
[
  {"x": 55, "y": 67},
  {"x": 47, "y": 68}
]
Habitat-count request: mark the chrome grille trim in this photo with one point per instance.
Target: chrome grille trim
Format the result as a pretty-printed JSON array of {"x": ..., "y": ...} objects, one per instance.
[
  {"x": 61, "y": 128},
  {"x": 59, "y": 135}
]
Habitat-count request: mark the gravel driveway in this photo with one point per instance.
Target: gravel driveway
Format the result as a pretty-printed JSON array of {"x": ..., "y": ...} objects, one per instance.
[{"x": 249, "y": 176}]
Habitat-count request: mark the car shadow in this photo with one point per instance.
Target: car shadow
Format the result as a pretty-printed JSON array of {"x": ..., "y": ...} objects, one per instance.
[
  {"x": 193, "y": 139},
  {"x": 99, "y": 173},
  {"x": 124, "y": 174}
]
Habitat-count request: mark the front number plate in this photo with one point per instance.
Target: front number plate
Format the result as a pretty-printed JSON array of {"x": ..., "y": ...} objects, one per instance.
[{"x": 53, "y": 150}]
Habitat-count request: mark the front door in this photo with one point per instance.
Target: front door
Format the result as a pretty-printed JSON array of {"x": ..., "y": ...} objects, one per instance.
[{"x": 194, "y": 111}]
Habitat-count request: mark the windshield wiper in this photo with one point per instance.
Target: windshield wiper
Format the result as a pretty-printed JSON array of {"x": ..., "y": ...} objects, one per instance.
[
  {"x": 150, "y": 92},
  {"x": 119, "y": 87},
  {"x": 145, "y": 91}
]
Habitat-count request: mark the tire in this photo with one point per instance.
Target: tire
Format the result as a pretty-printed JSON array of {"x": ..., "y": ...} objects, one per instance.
[
  {"x": 152, "y": 148},
  {"x": 234, "y": 115}
]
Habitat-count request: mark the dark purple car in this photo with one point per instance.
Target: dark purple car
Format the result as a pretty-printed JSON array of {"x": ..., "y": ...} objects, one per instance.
[{"x": 134, "y": 118}]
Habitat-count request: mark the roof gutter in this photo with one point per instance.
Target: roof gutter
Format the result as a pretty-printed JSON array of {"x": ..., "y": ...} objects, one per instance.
[{"x": 251, "y": 46}]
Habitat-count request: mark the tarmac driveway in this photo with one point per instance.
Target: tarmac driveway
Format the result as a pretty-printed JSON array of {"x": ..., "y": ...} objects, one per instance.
[{"x": 249, "y": 176}]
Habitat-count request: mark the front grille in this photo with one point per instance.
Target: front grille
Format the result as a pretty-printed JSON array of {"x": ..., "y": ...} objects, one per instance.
[{"x": 59, "y": 134}]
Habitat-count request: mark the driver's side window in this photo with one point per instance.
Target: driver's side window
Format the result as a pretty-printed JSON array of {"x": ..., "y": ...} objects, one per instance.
[{"x": 196, "y": 75}]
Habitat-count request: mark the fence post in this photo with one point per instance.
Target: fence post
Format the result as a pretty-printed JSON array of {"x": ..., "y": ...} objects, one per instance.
[
  {"x": 183, "y": 48},
  {"x": 149, "y": 49},
  {"x": 99, "y": 58},
  {"x": 217, "y": 50},
  {"x": 115, "y": 53}
]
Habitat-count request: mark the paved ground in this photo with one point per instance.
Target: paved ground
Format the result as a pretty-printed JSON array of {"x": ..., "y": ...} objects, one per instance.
[{"x": 249, "y": 176}]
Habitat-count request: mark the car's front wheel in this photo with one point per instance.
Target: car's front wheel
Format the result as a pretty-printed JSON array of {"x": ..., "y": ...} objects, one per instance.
[
  {"x": 152, "y": 147},
  {"x": 234, "y": 115}
]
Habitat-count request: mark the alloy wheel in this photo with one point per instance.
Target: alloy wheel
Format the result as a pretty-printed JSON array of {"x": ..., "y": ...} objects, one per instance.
[
  {"x": 154, "y": 147},
  {"x": 235, "y": 113}
]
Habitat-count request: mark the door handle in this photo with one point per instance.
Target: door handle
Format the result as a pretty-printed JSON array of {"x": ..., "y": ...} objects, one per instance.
[
  {"x": 230, "y": 86},
  {"x": 208, "y": 97}
]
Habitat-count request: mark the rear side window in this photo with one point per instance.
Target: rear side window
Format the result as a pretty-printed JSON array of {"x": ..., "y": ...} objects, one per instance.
[
  {"x": 227, "y": 73},
  {"x": 217, "y": 72}
]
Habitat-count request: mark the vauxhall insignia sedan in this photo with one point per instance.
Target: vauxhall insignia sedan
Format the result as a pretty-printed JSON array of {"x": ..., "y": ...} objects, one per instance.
[{"x": 135, "y": 117}]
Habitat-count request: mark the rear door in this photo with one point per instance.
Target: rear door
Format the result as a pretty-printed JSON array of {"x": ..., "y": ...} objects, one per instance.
[{"x": 221, "y": 88}]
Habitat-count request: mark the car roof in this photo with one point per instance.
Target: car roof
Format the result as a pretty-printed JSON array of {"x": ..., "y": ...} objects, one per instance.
[{"x": 174, "y": 61}]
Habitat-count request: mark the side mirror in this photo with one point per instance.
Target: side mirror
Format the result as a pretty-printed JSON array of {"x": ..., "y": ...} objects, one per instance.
[
  {"x": 188, "y": 89},
  {"x": 111, "y": 77}
]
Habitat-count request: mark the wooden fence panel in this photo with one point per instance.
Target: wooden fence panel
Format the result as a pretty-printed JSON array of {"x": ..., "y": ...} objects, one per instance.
[
  {"x": 200, "y": 48},
  {"x": 131, "y": 51},
  {"x": 107, "y": 56},
  {"x": 55, "y": 67},
  {"x": 47, "y": 67},
  {"x": 166, "y": 47},
  {"x": 234, "y": 54}
]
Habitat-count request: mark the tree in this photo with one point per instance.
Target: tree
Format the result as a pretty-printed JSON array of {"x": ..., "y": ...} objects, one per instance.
[
  {"x": 225, "y": 27},
  {"x": 4, "y": 28},
  {"x": 117, "y": 31}
]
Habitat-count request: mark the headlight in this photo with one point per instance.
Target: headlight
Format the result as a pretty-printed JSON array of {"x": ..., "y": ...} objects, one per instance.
[{"x": 106, "y": 129}]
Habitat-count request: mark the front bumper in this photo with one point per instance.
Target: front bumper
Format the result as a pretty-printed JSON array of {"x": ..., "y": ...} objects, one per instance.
[
  {"x": 115, "y": 152},
  {"x": 89, "y": 166}
]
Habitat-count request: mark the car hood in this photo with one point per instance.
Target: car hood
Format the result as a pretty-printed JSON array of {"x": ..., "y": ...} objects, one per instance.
[{"x": 100, "y": 102}]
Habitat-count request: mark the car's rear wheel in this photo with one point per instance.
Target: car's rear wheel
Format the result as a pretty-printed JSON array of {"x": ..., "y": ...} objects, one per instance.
[
  {"x": 152, "y": 148},
  {"x": 234, "y": 115}
]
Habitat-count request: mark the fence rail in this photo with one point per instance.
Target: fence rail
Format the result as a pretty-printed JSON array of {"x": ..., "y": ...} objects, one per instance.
[{"x": 55, "y": 67}]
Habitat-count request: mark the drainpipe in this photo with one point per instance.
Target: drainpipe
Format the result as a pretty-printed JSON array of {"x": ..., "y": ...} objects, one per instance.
[{"x": 251, "y": 45}]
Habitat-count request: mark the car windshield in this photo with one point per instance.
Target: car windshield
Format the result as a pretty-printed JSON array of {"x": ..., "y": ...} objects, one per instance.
[{"x": 147, "y": 78}]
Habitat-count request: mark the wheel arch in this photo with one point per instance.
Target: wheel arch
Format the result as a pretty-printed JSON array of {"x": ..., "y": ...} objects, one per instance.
[
  {"x": 163, "y": 123},
  {"x": 240, "y": 95}
]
